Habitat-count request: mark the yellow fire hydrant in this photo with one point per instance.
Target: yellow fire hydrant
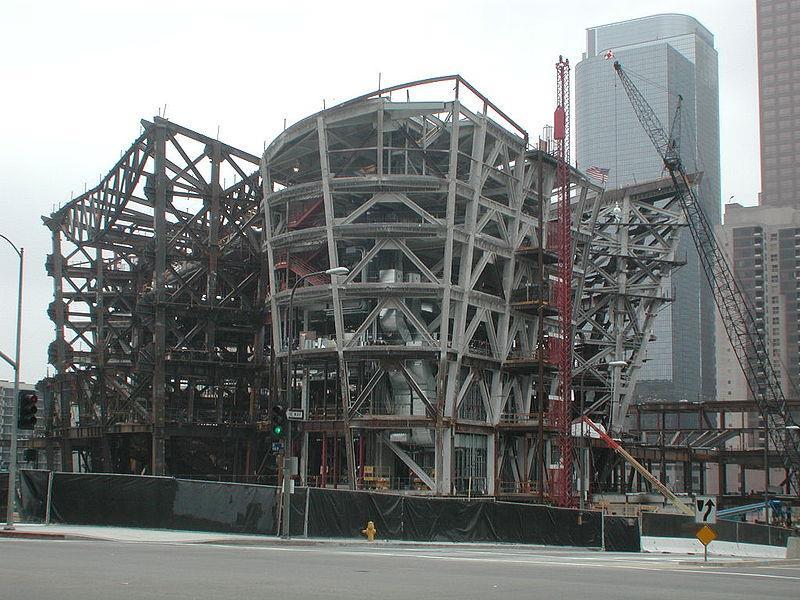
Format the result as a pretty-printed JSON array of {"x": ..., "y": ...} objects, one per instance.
[{"x": 370, "y": 531}]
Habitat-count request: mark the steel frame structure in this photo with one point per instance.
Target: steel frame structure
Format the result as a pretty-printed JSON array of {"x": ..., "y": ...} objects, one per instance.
[
  {"x": 629, "y": 249},
  {"x": 430, "y": 367},
  {"x": 158, "y": 309},
  {"x": 432, "y": 354},
  {"x": 678, "y": 437}
]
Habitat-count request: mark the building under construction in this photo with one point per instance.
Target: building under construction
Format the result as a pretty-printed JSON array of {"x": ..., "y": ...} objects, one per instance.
[{"x": 435, "y": 365}]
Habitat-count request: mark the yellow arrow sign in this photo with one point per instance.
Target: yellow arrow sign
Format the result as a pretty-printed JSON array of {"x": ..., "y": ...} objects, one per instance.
[{"x": 706, "y": 535}]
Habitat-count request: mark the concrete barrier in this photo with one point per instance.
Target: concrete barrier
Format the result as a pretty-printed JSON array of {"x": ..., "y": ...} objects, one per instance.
[
  {"x": 793, "y": 547},
  {"x": 674, "y": 545}
]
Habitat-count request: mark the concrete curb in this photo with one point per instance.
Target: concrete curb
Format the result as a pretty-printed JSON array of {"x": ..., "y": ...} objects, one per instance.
[
  {"x": 783, "y": 562},
  {"x": 31, "y": 535},
  {"x": 277, "y": 542}
]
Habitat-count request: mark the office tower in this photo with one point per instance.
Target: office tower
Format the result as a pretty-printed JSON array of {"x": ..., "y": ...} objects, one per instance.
[
  {"x": 667, "y": 56},
  {"x": 778, "y": 27}
]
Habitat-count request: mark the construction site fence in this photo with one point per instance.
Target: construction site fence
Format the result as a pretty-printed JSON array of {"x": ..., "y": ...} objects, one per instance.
[
  {"x": 3, "y": 495},
  {"x": 170, "y": 503},
  {"x": 680, "y": 526}
]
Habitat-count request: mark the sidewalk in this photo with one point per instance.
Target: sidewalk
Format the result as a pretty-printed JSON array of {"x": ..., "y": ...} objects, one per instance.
[
  {"x": 169, "y": 536},
  {"x": 128, "y": 534}
]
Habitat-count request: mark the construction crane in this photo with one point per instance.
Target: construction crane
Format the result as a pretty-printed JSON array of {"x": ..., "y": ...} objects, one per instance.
[{"x": 733, "y": 305}]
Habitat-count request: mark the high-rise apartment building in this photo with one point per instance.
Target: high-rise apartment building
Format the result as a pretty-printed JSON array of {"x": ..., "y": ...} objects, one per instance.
[
  {"x": 763, "y": 244},
  {"x": 778, "y": 27},
  {"x": 667, "y": 56}
]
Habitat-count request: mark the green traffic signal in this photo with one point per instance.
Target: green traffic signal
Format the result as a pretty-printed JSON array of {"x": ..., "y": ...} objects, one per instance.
[{"x": 278, "y": 418}]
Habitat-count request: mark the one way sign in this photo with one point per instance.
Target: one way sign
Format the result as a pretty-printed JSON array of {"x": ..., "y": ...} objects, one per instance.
[{"x": 705, "y": 510}]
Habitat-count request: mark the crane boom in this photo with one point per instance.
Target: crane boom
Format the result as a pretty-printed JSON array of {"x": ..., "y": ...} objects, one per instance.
[
  {"x": 654, "y": 481},
  {"x": 734, "y": 307}
]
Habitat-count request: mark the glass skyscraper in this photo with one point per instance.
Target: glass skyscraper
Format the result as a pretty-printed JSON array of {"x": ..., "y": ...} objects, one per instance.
[{"x": 666, "y": 56}]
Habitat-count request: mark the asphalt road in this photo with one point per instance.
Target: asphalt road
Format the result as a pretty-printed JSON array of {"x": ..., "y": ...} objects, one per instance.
[{"x": 84, "y": 570}]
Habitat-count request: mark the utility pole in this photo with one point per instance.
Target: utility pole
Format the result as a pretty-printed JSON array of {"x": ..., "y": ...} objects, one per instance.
[{"x": 12, "y": 462}]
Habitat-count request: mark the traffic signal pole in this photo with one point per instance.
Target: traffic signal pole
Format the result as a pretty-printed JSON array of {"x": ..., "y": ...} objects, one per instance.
[{"x": 12, "y": 462}]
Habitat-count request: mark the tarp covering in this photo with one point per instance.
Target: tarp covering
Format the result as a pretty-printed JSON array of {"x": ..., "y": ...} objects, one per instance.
[
  {"x": 3, "y": 495},
  {"x": 153, "y": 502},
  {"x": 337, "y": 513},
  {"x": 341, "y": 513},
  {"x": 33, "y": 492},
  {"x": 621, "y": 534},
  {"x": 162, "y": 502},
  {"x": 680, "y": 526}
]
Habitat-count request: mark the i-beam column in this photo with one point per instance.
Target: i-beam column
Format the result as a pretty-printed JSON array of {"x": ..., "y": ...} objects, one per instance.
[{"x": 159, "y": 328}]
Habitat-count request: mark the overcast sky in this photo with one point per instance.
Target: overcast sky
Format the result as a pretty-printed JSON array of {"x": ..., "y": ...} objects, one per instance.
[{"x": 78, "y": 76}]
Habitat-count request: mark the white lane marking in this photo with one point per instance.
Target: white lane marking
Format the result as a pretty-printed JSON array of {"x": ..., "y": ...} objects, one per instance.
[
  {"x": 565, "y": 563},
  {"x": 765, "y": 575}
]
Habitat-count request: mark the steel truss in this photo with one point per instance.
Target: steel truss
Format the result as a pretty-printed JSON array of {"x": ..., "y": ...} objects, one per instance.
[
  {"x": 630, "y": 249},
  {"x": 159, "y": 293}
]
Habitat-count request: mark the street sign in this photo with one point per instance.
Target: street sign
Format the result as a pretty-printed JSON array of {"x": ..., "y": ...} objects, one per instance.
[
  {"x": 706, "y": 535},
  {"x": 294, "y": 414},
  {"x": 705, "y": 510},
  {"x": 277, "y": 446}
]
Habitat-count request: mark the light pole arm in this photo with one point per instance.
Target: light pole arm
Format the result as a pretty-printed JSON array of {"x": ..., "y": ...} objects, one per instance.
[
  {"x": 7, "y": 358},
  {"x": 14, "y": 246}
]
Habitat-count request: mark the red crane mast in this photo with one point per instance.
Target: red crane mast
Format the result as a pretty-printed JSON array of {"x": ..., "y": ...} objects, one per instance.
[{"x": 561, "y": 408}]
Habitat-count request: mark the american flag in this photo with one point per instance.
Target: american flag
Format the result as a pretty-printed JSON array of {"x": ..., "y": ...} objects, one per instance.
[{"x": 598, "y": 173}]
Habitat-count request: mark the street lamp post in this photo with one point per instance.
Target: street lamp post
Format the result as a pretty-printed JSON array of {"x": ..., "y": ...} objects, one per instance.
[
  {"x": 12, "y": 463},
  {"x": 287, "y": 476}
]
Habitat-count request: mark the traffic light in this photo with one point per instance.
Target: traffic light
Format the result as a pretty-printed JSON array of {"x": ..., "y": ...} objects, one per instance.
[
  {"x": 278, "y": 419},
  {"x": 27, "y": 410}
]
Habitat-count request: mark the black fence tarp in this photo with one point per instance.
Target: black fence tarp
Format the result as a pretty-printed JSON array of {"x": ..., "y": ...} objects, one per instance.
[
  {"x": 3, "y": 495},
  {"x": 338, "y": 513},
  {"x": 679, "y": 526},
  {"x": 165, "y": 503},
  {"x": 621, "y": 534},
  {"x": 153, "y": 502},
  {"x": 33, "y": 493},
  {"x": 343, "y": 513}
]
